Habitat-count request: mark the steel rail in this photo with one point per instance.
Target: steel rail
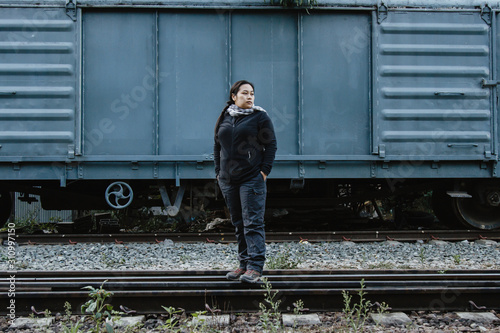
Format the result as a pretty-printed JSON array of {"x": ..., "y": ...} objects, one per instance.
[
  {"x": 277, "y": 274},
  {"x": 147, "y": 292},
  {"x": 320, "y": 236}
]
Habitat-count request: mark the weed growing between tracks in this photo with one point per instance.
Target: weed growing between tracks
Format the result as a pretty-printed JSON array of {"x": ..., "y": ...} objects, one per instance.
[
  {"x": 173, "y": 320},
  {"x": 357, "y": 314},
  {"x": 73, "y": 327},
  {"x": 98, "y": 307},
  {"x": 285, "y": 258},
  {"x": 422, "y": 255},
  {"x": 270, "y": 317},
  {"x": 177, "y": 321}
]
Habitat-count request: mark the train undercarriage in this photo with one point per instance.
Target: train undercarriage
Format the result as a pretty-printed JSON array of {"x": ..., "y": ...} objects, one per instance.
[{"x": 471, "y": 203}]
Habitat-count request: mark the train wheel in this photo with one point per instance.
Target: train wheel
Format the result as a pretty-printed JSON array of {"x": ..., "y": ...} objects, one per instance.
[
  {"x": 482, "y": 211},
  {"x": 5, "y": 207}
]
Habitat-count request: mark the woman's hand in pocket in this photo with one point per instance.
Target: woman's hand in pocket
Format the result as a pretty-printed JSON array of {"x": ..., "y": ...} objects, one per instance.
[{"x": 263, "y": 175}]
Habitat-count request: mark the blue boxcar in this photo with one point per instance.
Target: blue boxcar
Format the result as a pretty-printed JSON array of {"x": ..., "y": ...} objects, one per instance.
[{"x": 100, "y": 100}]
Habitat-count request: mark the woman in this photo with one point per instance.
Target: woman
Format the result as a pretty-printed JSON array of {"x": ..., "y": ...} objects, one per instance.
[{"x": 244, "y": 151}]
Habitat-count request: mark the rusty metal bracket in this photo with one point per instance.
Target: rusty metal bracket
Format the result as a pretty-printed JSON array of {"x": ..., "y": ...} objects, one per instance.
[
  {"x": 486, "y": 14},
  {"x": 71, "y": 9},
  {"x": 382, "y": 12}
]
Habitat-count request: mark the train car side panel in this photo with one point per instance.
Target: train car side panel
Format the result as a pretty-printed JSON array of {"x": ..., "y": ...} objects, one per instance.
[
  {"x": 119, "y": 83},
  {"x": 265, "y": 51},
  {"x": 193, "y": 75},
  {"x": 335, "y": 85}
]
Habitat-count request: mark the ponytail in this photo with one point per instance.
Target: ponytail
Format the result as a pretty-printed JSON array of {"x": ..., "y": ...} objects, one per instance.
[{"x": 221, "y": 116}]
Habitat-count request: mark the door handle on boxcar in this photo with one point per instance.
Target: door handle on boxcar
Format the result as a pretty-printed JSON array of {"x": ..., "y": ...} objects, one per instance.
[
  {"x": 449, "y": 93},
  {"x": 489, "y": 83},
  {"x": 462, "y": 145}
]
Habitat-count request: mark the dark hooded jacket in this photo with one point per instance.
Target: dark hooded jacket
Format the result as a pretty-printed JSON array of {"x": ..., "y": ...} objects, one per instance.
[{"x": 244, "y": 146}]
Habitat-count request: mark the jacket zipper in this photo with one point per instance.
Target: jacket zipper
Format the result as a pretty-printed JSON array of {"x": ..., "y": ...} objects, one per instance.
[{"x": 233, "y": 121}]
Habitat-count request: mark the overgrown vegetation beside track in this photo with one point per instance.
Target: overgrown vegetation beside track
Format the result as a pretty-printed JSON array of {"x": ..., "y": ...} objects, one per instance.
[{"x": 99, "y": 316}]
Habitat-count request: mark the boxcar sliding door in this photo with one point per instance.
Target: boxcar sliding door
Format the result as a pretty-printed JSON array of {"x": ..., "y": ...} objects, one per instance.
[
  {"x": 429, "y": 98},
  {"x": 38, "y": 82}
]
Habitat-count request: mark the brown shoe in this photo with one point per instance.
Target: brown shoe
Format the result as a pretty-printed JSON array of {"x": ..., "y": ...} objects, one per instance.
[
  {"x": 235, "y": 275},
  {"x": 251, "y": 276}
]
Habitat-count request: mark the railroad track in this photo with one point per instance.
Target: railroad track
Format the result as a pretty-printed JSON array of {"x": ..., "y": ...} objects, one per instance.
[
  {"x": 322, "y": 236},
  {"x": 148, "y": 291}
]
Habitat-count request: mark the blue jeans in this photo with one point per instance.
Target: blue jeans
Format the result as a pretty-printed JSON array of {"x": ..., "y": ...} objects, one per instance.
[{"x": 246, "y": 203}]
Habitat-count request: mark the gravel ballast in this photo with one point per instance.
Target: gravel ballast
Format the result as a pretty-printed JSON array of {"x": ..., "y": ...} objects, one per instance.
[{"x": 168, "y": 255}]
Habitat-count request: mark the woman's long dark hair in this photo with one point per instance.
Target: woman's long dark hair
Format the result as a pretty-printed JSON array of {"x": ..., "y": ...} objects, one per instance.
[{"x": 233, "y": 91}]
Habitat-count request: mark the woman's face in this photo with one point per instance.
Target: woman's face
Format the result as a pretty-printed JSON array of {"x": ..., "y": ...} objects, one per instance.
[{"x": 244, "y": 98}]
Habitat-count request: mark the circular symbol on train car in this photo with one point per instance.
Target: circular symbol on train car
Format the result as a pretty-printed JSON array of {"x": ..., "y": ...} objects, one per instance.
[{"x": 119, "y": 195}]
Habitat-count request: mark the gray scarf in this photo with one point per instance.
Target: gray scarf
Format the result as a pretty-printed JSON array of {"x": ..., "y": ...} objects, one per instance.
[{"x": 236, "y": 111}]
